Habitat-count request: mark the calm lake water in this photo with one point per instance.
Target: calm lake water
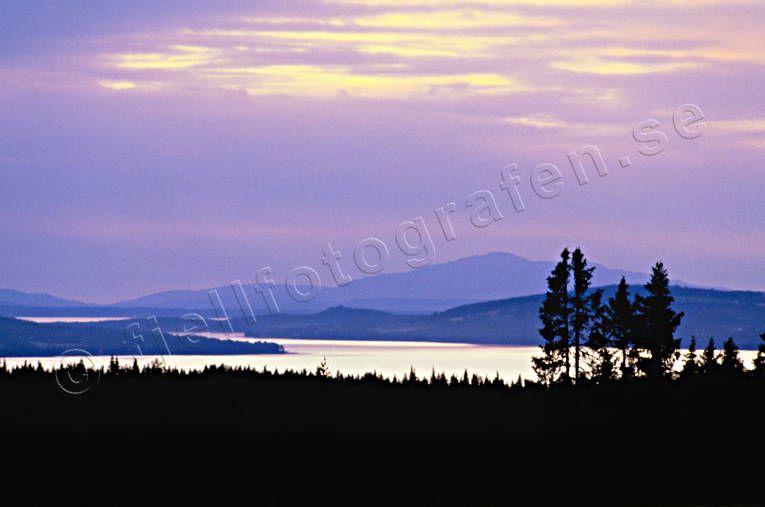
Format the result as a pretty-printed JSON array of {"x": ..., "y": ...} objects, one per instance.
[
  {"x": 354, "y": 357},
  {"x": 348, "y": 357}
]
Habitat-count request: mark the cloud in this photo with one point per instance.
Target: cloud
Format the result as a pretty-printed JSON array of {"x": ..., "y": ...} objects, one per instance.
[
  {"x": 272, "y": 127},
  {"x": 615, "y": 67},
  {"x": 117, "y": 85}
]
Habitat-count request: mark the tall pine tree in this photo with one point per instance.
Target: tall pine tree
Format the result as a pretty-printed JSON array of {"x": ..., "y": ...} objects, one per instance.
[
  {"x": 584, "y": 308},
  {"x": 554, "y": 365},
  {"x": 657, "y": 323}
]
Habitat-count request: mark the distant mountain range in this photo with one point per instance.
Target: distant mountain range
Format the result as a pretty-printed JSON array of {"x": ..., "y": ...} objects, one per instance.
[
  {"x": 515, "y": 321},
  {"x": 490, "y": 299},
  {"x": 432, "y": 288},
  {"x": 511, "y": 321},
  {"x": 10, "y": 297}
]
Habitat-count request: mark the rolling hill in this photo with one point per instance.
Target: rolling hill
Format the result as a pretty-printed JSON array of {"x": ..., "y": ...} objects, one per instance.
[
  {"x": 10, "y": 297},
  {"x": 515, "y": 321}
]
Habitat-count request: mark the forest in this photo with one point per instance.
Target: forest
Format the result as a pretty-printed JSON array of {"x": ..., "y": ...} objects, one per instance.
[{"x": 622, "y": 338}]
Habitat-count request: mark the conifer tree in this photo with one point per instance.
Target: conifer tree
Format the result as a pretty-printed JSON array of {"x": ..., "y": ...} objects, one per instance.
[
  {"x": 602, "y": 359},
  {"x": 759, "y": 360},
  {"x": 323, "y": 369},
  {"x": 691, "y": 365},
  {"x": 554, "y": 363},
  {"x": 584, "y": 308},
  {"x": 709, "y": 358},
  {"x": 114, "y": 366},
  {"x": 731, "y": 363},
  {"x": 658, "y": 322},
  {"x": 620, "y": 323}
]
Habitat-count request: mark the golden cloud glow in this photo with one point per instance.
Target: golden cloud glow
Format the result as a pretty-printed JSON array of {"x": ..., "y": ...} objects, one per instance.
[
  {"x": 613, "y": 67},
  {"x": 441, "y": 47},
  {"x": 185, "y": 56},
  {"x": 117, "y": 85},
  {"x": 543, "y": 3},
  {"x": 315, "y": 80},
  {"x": 452, "y": 20},
  {"x": 536, "y": 121},
  {"x": 404, "y": 51}
]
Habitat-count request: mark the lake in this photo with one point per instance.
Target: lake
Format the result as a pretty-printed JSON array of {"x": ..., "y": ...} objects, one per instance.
[
  {"x": 350, "y": 357},
  {"x": 355, "y": 357}
]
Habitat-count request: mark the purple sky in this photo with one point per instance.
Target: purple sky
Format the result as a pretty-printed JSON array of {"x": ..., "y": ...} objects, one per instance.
[{"x": 148, "y": 148}]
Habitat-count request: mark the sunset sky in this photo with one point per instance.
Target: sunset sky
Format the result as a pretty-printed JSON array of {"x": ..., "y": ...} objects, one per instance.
[{"x": 147, "y": 148}]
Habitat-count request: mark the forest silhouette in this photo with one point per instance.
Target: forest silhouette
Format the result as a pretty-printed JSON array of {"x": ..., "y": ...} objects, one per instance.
[{"x": 617, "y": 416}]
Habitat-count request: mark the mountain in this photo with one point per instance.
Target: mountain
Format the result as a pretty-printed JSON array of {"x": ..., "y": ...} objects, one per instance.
[
  {"x": 10, "y": 297},
  {"x": 432, "y": 288},
  {"x": 515, "y": 321}
]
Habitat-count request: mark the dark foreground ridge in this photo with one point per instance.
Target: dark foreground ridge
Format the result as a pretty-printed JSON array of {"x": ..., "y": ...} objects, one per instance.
[
  {"x": 368, "y": 441},
  {"x": 20, "y": 338}
]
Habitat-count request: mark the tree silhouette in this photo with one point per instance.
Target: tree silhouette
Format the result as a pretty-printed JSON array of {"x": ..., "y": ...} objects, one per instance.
[
  {"x": 620, "y": 324},
  {"x": 584, "y": 308},
  {"x": 114, "y": 365},
  {"x": 598, "y": 340},
  {"x": 554, "y": 364},
  {"x": 731, "y": 363},
  {"x": 691, "y": 365},
  {"x": 709, "y": 358},
  {"x": 658, "y": 322},
  {"x": 323, "y": 369},
  {"x": 759, "y": 360}
]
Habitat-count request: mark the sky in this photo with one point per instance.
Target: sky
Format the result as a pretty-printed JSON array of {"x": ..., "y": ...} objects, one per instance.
[{"x": 149, "y": 146}]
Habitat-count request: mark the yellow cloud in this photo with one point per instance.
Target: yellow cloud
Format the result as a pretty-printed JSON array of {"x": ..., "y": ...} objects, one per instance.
[
  {"x": 613, "y": 67},
  {"x": 189, "y": 56},
  {"x": 404, "y": 51},
  {"x": 117, "y": 85},
  {"x": 451, "y": 20},
  {"x": 536, "y": 121},
  {"x": 359, "y": 36},
  {"x": 293, "y": 21},
  {"x": 558, "y": 3},
  {"x": 445, "y": 47},
  {"x": 314, "y": 80},
  {"x": 722, "y": 54}
]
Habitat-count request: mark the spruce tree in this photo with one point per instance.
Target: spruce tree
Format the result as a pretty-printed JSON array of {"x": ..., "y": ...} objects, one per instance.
[
  {"x": 658, "y": 323},
  {"x": 691, "y": 365},
  {"x": 709, "y": 362},
  {"x": 759, "y": 360},
  {"x": 554, "y": 363},
  {"x": 583, "y": 307},
  {"x": 323, "y": 369},
  {"x": 620, "y": 324},
  {"x": 731, "y": 363},
  {"x": 598, "y": 340}
]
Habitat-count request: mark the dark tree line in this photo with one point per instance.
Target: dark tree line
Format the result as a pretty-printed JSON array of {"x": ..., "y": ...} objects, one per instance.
[
  {"x": 81, "y": 372},
  {"x": 625, "y": 338}
]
